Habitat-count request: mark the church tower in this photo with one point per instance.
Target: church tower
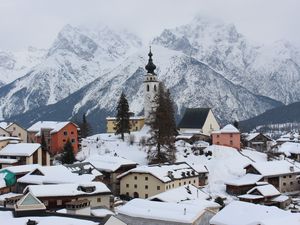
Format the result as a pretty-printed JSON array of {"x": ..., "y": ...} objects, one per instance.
[{"x": 150, "y": 89}]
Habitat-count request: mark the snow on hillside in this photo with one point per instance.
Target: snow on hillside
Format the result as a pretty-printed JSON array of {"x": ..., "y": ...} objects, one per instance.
[{"x": 225, "y": 163}]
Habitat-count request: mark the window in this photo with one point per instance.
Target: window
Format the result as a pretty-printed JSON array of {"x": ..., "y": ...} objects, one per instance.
[
  {"x": 167, "y": 187},
  {"x": 172, "y": 185},
  {"x": 154, "y": 87},
  {"x": 179, "y": 183},
  {"x": 14, "y": 128},
  {"x": 146, "y": 186},
  {"x": 158, "y": 188},
  {"x": 291, "y": 183},
  {"x": 194, "y": 181},
  {"x": 218, "y": 136},
  {"x": 135, "y": 177},
  {"x": 231, "y": 135},
  {"x": 64, "y": 140},
  {"x": 284, "y": 176},
  {"x": 231, "y": 142},
  {"x": 72, "y": 132},
  {"x": 135, "y": 186},
  {"x": 290, "y": 176},
  {"x": 127, "y": 185},
  {"x": 218, "y": 143},
  {"x": 65, "y": 133},
  {"x": 189, "y": 182},
  {"x": 284, "y": 184},
  {"x": 298, "y": 181},
  {"x": 19, "y": 134},
  {"x": 184, "y": 183},
  {"x": 147, "y": 87},
  {"x": 127, "y": 193},
  {"x": 146, "y": 178},
  {"x": 146, "y": 195},
  {"x": 73, "y": 140},
  {"x": 59, "y": 202},
  {"x": 98, "y": 199}
]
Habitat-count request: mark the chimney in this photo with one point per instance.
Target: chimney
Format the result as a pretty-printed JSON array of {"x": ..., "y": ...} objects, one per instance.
[{"x": 292, "y": 169}]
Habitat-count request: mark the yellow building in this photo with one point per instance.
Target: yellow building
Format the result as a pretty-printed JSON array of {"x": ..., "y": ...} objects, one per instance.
[
  {"x": 147, "y": 181},
  {"x": 136, "y": 123}
]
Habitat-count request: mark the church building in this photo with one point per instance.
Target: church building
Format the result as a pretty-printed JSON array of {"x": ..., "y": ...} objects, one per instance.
[{"x": 150, "y": 87}]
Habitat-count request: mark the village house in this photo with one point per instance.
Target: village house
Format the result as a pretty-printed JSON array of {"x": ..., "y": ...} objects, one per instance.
[
  {"x": 111, "y": 167},
  {"x": 141, "y": 211},
  {"x": 13, "y": 130},
  {"x": 136, "y": 123},
  {"x": 290, "y": 137},
  {"x": 23, "y": 154},
  {"x": 289, "y": 149},
  {"x": 56, "y": 135},
  {"x": 283, "y": 175},
  {"x": 244, "y": 213},
  {"x": 265, "y": 194},
  {"x": 58, "y": 195},
  {"x": 21, "y": 170},
  {"x": 58, "y": 174},
  {"x": 228, "y": 136},
  {"x": 257, "y": 141},
  {"x": 242, "y": 185},
  {"x": 198, "y": 121},
  {"x": 147, "y": 181}
]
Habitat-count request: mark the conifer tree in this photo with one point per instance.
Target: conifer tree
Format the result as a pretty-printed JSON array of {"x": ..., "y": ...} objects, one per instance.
[
  {"x": 68, "y": 156},
  {"x": 122, "y": 119},
  {"x": 163, "y": 129},
  {"x": 85, "y": 127}
]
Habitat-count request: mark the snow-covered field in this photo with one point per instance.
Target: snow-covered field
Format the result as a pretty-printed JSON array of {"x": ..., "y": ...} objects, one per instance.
[{"x": 225, "y": 163}]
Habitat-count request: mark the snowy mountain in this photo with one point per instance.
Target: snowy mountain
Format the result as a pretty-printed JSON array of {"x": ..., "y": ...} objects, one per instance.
[
  {"x": 16, "y": 64},
  {"x": 73, "y": 61},
  {"x": 270, "y": 70},
  {"x": 192, "y": 84}
]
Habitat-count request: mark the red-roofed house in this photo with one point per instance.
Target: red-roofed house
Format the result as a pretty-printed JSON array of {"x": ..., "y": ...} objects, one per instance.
[
  {"x": 228, "y": 136},
  {"x": 56, "y": 134}
]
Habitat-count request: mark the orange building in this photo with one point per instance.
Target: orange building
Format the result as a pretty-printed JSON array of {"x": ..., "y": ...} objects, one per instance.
[
  {"x": 228, "y": 136},
  {"x": 56, "y": 135}
]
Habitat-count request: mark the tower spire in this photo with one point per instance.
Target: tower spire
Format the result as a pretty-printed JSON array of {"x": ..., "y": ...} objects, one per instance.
[{"x": 150, "y": 67}]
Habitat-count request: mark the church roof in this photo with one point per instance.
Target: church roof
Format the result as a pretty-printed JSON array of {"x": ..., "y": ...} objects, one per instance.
[
  {"x": 150, "y": 67},
  {"x": 194, "y": 118}
]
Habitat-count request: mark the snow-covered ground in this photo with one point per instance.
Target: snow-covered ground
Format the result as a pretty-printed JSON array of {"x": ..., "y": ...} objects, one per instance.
[{"x": 225, "y": 163}]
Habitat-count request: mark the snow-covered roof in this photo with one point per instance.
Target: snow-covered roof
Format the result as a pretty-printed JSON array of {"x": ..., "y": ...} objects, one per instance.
[
  {"x": 20, "y": 149},
  {"x": 8, "y": 161},
  {"x": 243, "y": 213},
  {"x": 229, "y": 128},
  {"x": 165, "y": 172},
  {"x": 83, "y": 168},
  {"x": 247, "y": 179},
  {"x": 109, "y": 163},
  {"x": 54, "y": 175},
  {"x": 10, "y": 139},
  {"x": 166, "y": 211},
  {"x": 274, "y": 168},
  {"x": 265, "y": 190},
  {"x": 289, "y": 147},
  {"x": 250, "y": 136},
  {"x": 4, "y": 124},
  {"x": 8, "y": 217},
  {"x": 183, "y": 193},
  {"x": 54, "y": 126},
  {"x": 22, "y": 168},
  {"x": 101, "y": 212},
  {"x": 73, "y": 189}
]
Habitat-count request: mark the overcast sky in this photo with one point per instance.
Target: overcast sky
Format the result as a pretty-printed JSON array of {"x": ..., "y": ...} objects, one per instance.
[{"x": 37, "y": 22}]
